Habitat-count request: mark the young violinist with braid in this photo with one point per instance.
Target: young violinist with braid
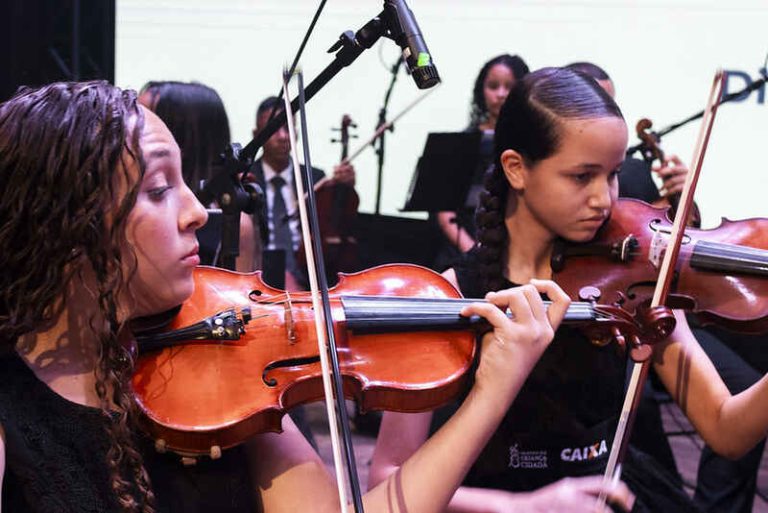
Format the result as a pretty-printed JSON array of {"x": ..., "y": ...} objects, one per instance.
[
  {"x": 722, "y": 485},
  {"x": 560, "y": 141},
  {"x": 98, "y": 228}
]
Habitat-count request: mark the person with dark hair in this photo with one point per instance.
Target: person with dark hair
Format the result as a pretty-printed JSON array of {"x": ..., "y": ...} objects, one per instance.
[
  {"x": 99, "y": 177},
  {"x": 722, "y": 485},
  {"x": 492, "y": 85},
  {"x": 596, "y": 72},
  {"x": 560, "y": 141},
  {"x": 195, "y": 115},
  {"x": 635, "y": 179},
  {"x": 274, "y": 174}
]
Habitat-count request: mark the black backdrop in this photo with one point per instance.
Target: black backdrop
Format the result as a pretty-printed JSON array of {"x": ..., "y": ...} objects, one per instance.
[{"x": 50, "y": 40}]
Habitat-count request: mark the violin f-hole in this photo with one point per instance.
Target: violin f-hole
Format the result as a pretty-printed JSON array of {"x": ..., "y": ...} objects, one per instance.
[{"x": 283, "y": 364}]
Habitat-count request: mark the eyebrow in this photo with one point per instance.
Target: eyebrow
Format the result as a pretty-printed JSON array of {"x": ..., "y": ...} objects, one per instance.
[{"x": 583, "y": 166}]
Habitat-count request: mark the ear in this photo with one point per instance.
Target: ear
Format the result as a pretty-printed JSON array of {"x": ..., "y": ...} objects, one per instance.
[
  {"x": 255, "y": 132},
  {"x": 514, "y": 169}
]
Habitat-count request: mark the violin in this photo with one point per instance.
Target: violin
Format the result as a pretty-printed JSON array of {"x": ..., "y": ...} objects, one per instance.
[
  {"x": 239, "y": 353},
  {"x": 720, "y": 275},
  {"x": 651, "y": 151},
  {"x": 337, "y": 205}
]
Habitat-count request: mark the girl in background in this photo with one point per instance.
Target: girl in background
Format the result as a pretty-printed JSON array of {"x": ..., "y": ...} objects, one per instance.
[{"x": 492, "y": 85}]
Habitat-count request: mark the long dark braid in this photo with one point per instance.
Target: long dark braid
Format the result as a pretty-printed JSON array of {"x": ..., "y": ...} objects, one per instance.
[
  {"x": 67, "y": 152},
  {"x": 529, "y": 123}
]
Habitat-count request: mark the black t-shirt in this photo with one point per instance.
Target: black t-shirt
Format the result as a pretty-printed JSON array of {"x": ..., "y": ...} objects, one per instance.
[
  {"x": 56, "y": 458},
  {"x": 562, "y": 421}
]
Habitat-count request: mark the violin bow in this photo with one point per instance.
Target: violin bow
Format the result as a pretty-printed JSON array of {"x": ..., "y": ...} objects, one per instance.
[
  {"x": 663, "y": 284},
  {"x": 338, "y": 421},
  {"x": 369, "y": 142}
]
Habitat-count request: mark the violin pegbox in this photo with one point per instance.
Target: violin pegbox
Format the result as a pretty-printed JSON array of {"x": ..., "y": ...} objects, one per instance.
[{"x": 638, "y": 332}]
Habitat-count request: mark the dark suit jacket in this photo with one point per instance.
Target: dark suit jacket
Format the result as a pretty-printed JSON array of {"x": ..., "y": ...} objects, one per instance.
[
  {"x": 257, "y": 174},
  {"x": 274, "y": 265},
  {"x": 635, "y": 181}
]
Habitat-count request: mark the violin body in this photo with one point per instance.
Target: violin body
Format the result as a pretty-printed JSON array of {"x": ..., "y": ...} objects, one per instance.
[
  {"x": 721, "y": 274},
  {"x": 204, "y": 394},
  {"x": 238, "y": 354}
]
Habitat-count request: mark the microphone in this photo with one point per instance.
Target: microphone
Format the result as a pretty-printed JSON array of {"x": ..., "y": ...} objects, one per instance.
[{"x": 404, "y": 30}]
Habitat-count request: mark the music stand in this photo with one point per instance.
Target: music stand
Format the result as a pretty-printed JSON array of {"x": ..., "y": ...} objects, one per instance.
[{"x": 444, "y": 172}]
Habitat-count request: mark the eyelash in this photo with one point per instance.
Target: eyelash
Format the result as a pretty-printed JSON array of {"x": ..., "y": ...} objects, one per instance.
[
  {"x": 158, "y": 192},
  {"x": 582, "y": 177}
]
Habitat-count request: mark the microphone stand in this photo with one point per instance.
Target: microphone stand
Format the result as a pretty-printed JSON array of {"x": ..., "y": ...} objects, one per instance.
[
  {"x": 382, "y": 133},
  {"x": 227, "y": 186},
  {"x": 232, "y": 197},
  {"x": 725, "y": 99},
  {"x": 348, "y": 48}
]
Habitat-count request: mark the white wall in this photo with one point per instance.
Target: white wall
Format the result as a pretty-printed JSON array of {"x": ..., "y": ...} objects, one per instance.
[{"x": 661, "y": 55}]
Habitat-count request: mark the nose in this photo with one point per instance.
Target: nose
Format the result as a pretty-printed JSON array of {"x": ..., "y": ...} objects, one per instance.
[
  {"x": 193, "y": 214},
  {"x": 282, "y": 133},
  {"x": 603, "y": 195}
]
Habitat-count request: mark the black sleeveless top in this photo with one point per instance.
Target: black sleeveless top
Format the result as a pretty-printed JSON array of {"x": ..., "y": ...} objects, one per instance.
[
  {"x": 562, "y": 421},
  {"x": 56, "y": 458}
]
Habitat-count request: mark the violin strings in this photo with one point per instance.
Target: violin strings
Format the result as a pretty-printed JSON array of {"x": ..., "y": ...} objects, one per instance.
[{"x": 388, "y": 305}]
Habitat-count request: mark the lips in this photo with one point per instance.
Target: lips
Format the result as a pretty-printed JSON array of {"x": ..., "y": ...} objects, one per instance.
[{"x": 192, "y": 258}]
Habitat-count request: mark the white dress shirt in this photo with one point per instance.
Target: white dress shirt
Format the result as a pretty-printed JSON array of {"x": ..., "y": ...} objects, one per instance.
[{"x": 290, "y": 202}]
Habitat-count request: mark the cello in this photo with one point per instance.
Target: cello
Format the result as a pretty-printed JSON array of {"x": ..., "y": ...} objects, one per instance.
[{"x": 337, "y": 205}]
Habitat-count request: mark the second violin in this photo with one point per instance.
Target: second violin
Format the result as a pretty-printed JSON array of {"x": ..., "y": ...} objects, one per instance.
[{"x": 721, "y": 274}]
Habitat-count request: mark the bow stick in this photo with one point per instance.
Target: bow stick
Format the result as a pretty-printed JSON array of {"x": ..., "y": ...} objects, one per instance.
[
  {"x": 326, "y": 342},
  {"x": 666, "y": 274},
  {"x": 385, "y": 126}
]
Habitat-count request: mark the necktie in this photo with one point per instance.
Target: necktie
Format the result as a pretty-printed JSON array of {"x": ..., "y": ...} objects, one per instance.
[{"x": 282, "y": 237}]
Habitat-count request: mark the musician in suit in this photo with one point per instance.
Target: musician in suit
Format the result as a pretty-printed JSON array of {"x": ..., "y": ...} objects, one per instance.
[{"x": 274, "y": 174}]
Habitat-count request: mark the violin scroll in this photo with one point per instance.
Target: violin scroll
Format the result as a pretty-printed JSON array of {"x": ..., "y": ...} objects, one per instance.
[
  {"x": 638, "y": 332},
  {"x": 650, "y": 148}
]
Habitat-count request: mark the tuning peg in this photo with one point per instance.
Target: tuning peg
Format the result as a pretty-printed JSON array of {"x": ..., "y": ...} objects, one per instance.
[{"x": 640, "y": 352}]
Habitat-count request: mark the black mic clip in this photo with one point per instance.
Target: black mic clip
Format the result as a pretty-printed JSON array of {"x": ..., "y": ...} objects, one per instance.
[
  {"x": 351, "y": 44},
  {"x": 403, "y": 29}
]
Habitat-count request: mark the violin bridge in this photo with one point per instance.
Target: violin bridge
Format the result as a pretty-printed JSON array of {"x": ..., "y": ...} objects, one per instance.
[
  {"x": 289, "y": 323},
  {"x": 657, "y": 248}
]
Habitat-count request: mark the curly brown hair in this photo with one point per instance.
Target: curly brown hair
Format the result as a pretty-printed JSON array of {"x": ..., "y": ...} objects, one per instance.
[
  {"x": 530, "y": 123},
  {"x": 65, "y": 154}
]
